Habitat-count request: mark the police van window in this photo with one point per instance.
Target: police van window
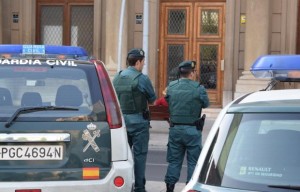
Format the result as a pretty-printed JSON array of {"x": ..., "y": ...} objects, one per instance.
[
  {"x": 210, "y": 173},
  {"x": 259, "y": 150},
  {"x": 47, "y": 85}
]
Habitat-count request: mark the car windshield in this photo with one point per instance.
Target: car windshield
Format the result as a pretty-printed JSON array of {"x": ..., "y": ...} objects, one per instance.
[
  {"x": 57, "y": 86},
  {"x": 255, "y": 151}
]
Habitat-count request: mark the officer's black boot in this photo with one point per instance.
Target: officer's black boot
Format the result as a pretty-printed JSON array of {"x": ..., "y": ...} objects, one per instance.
[{"x": 170, "y": 187}]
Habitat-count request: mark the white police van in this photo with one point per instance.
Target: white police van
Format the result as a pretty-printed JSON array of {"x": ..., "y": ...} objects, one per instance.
[
  {"x": 254, "y": 143},
  {"x": 61, "y": 127}
]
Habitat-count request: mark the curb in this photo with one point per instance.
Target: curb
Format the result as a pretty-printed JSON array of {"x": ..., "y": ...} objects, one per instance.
[{"x": 156, "y": 186}]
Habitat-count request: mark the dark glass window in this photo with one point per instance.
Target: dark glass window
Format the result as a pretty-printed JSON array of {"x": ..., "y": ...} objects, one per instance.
[
  {"x": 51, "y": 85},
  {"x": 254, "y": 151}
]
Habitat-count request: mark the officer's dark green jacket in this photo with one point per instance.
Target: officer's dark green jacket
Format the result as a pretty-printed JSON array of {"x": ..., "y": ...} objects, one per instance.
[
  {"x": 186, "y": 99},
  {"x": 131, "y": 99},
  {"x": 134, "y": 90},
  {"x": 132, "y": 95}
]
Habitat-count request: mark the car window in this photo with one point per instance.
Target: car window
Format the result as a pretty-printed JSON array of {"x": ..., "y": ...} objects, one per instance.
[
  {"x": 259, "y": 150},
  {"x": 32, "y": 86}
]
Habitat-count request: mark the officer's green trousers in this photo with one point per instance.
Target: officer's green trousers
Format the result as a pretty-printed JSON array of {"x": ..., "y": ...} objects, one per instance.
[
  {"x": 138, "y": 139},
  {"x": 182, "y": 138}
]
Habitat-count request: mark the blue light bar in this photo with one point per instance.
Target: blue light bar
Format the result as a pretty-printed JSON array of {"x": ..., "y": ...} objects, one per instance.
[
  {"x": 43, "y": 49},
  {"x": 278, "y": 67}
]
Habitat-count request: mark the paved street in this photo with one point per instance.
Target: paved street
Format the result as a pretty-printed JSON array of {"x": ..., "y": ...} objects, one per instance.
[
  {"x": 156, "y": 170},
  {"x": 158, "y": 141}
]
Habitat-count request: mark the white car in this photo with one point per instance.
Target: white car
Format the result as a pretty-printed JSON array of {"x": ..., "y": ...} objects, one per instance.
[
  {"x": 61, "y": 127},
  {"x": 254, "y": 143}
]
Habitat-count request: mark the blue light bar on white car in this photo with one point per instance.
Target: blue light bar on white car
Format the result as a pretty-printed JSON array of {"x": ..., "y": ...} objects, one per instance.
[
  {"x": 21, "y": 50},
  {"x": 277, "y": 67}
]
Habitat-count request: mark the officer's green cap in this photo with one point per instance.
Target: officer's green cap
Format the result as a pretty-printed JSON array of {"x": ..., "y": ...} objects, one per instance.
[
  {"x": 187, "y": 65},
  {"x": 136, "y": 53}
]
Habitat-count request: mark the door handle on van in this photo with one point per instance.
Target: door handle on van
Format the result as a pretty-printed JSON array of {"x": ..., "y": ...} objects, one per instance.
[{"x": 34, "y": 137}]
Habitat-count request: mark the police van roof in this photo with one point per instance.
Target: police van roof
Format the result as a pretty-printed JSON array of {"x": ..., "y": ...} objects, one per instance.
[
  {"x": 277, "y": 67},
  {"x": 18, "y": 49},
  {"x": 287, "y": 100}
]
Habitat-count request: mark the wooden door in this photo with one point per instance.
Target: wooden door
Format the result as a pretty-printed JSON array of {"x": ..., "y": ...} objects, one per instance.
[
  {"x": 193, "y": 31},
  {"x": 65, "y": 22}
]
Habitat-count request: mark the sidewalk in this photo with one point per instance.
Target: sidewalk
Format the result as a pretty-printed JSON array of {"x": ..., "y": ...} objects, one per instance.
[
  {"x": 156, "y": 186},
  {"x": 158, "y": 141}
]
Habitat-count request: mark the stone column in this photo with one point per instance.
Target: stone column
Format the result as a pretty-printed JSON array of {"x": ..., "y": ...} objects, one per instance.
[
  {"x": 229, "y": 50},
  {"x": 153, "y": 41},
  {"x": 27, "y": 21},
  {"x": 112, "y": 20},
  {"x": 98, "y": 26},
  {"x": 257, "y": 38},
  {"x": 291, "y": 28}
]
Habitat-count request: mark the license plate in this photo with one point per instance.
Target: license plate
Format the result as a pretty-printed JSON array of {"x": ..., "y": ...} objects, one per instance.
[{"x": 23, "y": 152}]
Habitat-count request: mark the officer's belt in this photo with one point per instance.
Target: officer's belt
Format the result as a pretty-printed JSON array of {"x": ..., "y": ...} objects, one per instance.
[{"x": 191, "y": 124}]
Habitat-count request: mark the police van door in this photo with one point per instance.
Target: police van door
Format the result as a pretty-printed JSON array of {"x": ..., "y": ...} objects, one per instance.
[{"x": 193, "y": 31}]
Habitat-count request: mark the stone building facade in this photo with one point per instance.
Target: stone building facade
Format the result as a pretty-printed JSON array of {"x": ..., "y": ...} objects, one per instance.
[{"x": 236, "y": 31}]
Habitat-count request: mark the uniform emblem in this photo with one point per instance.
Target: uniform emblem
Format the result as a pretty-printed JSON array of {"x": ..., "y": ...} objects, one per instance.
[
  {"x": 91, "y": 128},
  {"x": 193, "y": 64},
  {"x": 142, "y": 53}
]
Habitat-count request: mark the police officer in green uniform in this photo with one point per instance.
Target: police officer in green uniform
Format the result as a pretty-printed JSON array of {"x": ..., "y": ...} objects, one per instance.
[
  {"x": 186, "y": 98},
  {"x": 135, "y": 92}
]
